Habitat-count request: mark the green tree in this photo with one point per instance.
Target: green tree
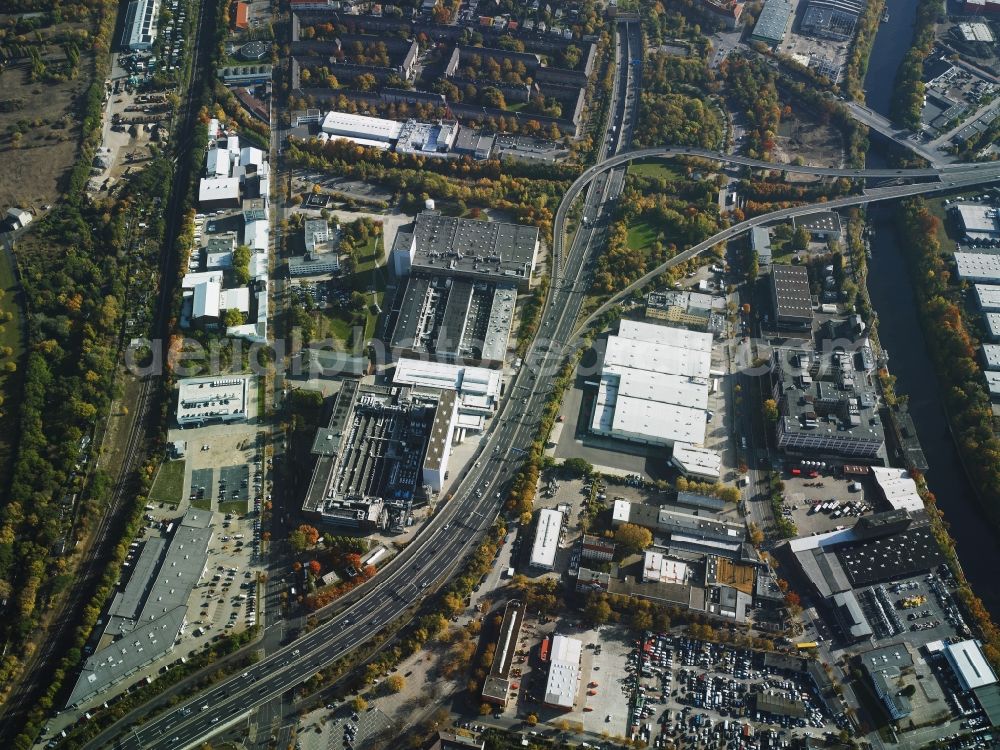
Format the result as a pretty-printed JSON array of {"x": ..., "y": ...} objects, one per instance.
[
  {"x": 800, "y": 239},
  {"x": 632, "y": 538},
  {"x": 771, "y": 410},
  {"x": 241, "y": 264},
  {"x": 232, "y": 317},
  {"x": 578, "y": 467}
]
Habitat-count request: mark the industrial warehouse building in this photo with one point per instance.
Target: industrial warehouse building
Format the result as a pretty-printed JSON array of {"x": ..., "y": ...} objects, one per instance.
[
  {"x": 492, "y": 251},
  {"x": 563, "y": 682},
  {"x": 832, "y": 19},
  {"x": 546, "y": 544},
  {"x": 141, "y": 22},
  {"x": 792, "y": 297},
  {"x": 461, "y": 283},
  {"x": 978, "y": 221},
  {"x": 878, "y": 548},
  {"x": 822, "y": 225},
  {"x": 373, "y": 132},
  {"x": 772, "y": 22},
  {"x": 496, "y": 687},
  {"x": 988, "y": 296},
  {"x": 452, "y": 319},
  {"x": 149, "y": 614},
  {"x": 654, "y": 385},
  {"x": 836, "y": 416},
  {"x": 477, "y": 388},
  {"x": 382, "y": 446},
  {"x": 981, "y": 267},
  {"x": 969, "y": 664}
]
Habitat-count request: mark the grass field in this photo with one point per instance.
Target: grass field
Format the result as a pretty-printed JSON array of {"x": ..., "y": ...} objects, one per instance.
[
  {"x": 239, "y": 507},
  {"x": 169, "y": 484},
  {"x": 937, "y": 207},
  {"x": 203, "y": 504},
  {"x": 368, "y": 277},
  {"x": 656, "y": 168},
  {"x": 641, "y": 236}
]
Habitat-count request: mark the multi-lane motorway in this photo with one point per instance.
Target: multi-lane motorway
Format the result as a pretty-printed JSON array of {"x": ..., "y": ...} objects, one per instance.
[
  {"x": 452, "y": 533},
  {"x": 476, "y": 501}
]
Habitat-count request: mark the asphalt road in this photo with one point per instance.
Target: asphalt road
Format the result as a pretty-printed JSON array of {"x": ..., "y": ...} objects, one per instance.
[
  {"x": 441, "y": 546},
  {"x": 457, "y": 527}
]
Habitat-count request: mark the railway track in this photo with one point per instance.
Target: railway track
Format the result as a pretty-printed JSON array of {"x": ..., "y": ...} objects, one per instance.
[{"x": 36, "y": 675}]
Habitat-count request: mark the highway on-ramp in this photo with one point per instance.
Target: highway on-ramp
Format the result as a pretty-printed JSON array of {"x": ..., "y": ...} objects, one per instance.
[{"x": 457, "y": 528}]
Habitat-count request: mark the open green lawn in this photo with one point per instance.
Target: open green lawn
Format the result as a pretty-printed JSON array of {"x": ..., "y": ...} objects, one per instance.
[
  {"x": 367, "y": 256},
  {"x": 369, "y": 276},
  {"x": 239, "y": 507},
  {"x": 937, "y": 207},
  {"x": 203, "y": 504},
  {"x": 655, "y": 168},
  {"x": 169, "y": 484},
  {"x": 641, "y": 236}
]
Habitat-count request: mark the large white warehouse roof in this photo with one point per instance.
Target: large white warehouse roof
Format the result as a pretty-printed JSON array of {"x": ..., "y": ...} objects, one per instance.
[
  {"x": 543, "y": 551},
  {"x": 346, "y": 125},
  {"x": 667, "y": 335},
  {"x": 969, "y": 664},
  {"x": 643, "y": 355},
  {"x": 564, "y": 672},
  {"x": 978, "y": 266}
]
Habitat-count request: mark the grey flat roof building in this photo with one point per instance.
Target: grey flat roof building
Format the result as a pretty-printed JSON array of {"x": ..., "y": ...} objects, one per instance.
[
  {"x": 452, "y": 319},
  {"x": 791, "y": 296},
  {"x": 850, "y": 617},
  {"x": 820, "y": 225},
  {"x": 148, "y": 616},
  {"x": 760, "y": 243},
  {"x": 474, "y": 143},
  {"x": 370, "y": 456},
  {"x": 479, "y": 250},
  {"x": 772, "y": 22}
]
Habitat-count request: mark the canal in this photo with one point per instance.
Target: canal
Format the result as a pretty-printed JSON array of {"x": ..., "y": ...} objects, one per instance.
[{"x": 892, "y": 295}]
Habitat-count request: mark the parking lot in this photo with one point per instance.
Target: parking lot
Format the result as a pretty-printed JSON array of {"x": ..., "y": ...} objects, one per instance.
[
  {"x": 700, "y": 691},
  {"x": 824, "y": 503}
]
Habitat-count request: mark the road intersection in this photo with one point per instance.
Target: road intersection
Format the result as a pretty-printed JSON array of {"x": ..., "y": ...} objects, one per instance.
[{"x": 458, "y": 526}]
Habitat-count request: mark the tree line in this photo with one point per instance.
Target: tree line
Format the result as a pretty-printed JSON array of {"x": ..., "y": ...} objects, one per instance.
[{"x": 953, "y": 348}]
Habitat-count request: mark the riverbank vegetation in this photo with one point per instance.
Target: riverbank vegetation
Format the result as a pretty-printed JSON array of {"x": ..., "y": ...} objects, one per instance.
[
  {"x": 908, "y": 93},
  {"x": 861, "y": 49},
  {"x": 953, "y": 348}
]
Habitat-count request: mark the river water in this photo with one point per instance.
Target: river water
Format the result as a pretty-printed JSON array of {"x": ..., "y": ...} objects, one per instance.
[{"x": 899, "y": 330}]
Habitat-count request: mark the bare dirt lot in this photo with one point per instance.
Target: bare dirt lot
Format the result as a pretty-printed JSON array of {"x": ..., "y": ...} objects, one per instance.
[
  {"x": 39, "y": 131},
  {"x": 800, "y": 136}
]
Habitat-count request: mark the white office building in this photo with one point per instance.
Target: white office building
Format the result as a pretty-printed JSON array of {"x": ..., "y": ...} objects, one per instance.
[
  {"x": 699, "y": 463},
  {"x": 478, "y": 388},
  {"x": 543, "y": 551},
  {"x": 212, "y": 399}
]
